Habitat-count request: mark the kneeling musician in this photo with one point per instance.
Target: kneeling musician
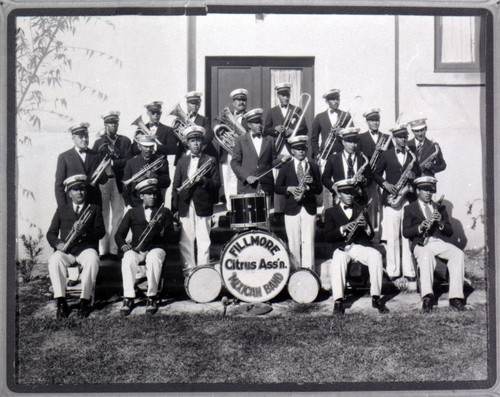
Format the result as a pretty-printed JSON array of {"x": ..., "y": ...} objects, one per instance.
[
  {"x": 299, "y": 181},
  {"x": 149, "y": 223},
  {"x": 348, "y": 227},
  {"x": 195, "y": 190}
]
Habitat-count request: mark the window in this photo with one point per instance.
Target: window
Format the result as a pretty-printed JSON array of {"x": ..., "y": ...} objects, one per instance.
[
  {"x": 292, "y": 76},
  {"x": 458, "y": 44}
]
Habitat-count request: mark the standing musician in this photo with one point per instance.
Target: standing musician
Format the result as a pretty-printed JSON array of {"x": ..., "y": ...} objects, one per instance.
[
  {"x": 428, "y": 153},
  {"x": 395, "y": 170},
  {"x": 230, "y": 181},
  {"x": 299, "y": 181},
  {"x": 348, "y": 227},
  {"x": 193, "y": 103},
  {"x": 325, "y": 122},
  {"x": 197, "y": 178},
  {"x": 74, "y": 233},
  {"x": 119, "y": 148},
  {"x": 371, "y": 144},
  {"x": 254, "y": 155},
  {"x": 78, "y": 160},
  {"x": 149, "y": 223},
  {"x": 145, "y": 161},
  {"x": 425, "y": 224},
  {"x": 348, "y": 163}
]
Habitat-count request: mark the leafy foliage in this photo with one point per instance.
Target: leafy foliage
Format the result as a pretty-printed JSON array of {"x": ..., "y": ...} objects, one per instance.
[
  {"x": 477, "y": 215},
  {"x": 33, "y": 249}
]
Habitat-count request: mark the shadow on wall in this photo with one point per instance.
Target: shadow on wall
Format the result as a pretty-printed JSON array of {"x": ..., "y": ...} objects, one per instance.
[{"x": 458, "y": 237}]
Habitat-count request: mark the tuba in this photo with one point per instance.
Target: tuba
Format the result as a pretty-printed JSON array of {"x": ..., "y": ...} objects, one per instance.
[{"x": 227, "y": 130}]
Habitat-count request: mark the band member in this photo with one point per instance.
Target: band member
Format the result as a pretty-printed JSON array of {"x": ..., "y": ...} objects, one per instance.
[
  {"x": 193, "y": 103},
  {"x": 299, "y": 181},
  {"x": 149, "y": 223},
  {"x": 348, "y": 163},
  {"x": 348, "y": 228},
  {"x": 254, "y": 155},
  {"x": 195, "y": 203},
  {"x": 78, "y": 160},
  {"x": 425, "y": 223},
  {"x": 392, "y": 170},
  {"x": 145, "y": 160},
  {"x": 119, "y": 148},
  {"x": 239, "y": 97},
  {"x": 367, "y": 145},
  {"x": 325, "y": 121},
  {"x": 425, "y": 149},
  {"x": 80, "y": 222}
]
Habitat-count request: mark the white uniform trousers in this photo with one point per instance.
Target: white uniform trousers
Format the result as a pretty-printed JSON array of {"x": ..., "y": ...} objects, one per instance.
[
  {"x": 301, "y": 230},
  {"x": 154, "y": 261},
  {"x": 113, "y": 208},
  {"x": 194, "y": 227},
  {"x": 88, "y": 259},
  {"x": 167, "y": 193},
  {"x": 230, "y": 181},
  {"x": 425, "y": 256},
  {"x": 367, "y": 256},
  {"x": 375, "y": 209},
  {"x": 397, "y": 257}
]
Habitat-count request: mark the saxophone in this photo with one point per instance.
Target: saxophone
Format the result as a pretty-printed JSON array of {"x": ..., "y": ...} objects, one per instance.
[
  {"x": 303, "y": 186},
  {"x": 402, "y": 187},
  {"x": 380, "y": 147},
  {"x": 431, "y": 158}
]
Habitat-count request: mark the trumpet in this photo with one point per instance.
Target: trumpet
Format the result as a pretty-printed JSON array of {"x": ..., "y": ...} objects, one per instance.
[
  {"x": 394, "y": 200},
  {"x": 428, "y": 229},
  {"x": 202, "y": 171},
  {"x": 334, "y": 131},
  {"x": 144, "y": 128},
  {"x": 289, "y": 120},
  {"x": 227, "y": 130},
  {"x": 154, "y": 166},
  {"x": 105, "y": 162},
  {"x": 74, "y": 234}
]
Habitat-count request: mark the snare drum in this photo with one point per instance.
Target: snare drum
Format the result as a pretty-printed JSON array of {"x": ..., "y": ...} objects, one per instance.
[
  {"x": 203, "y": 283},
  {"x": 248, "y": 210},
  {"x": 255, "y": 266},
  {"x": 303, "y": 286}
]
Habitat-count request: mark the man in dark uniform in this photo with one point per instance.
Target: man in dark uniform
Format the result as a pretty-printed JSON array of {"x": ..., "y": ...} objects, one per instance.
[
  {"x": 195, "y": 203},
  {"x": 425, "y": 224},
  {"x": 347, "y": 164},
  {"x": 346, "y": 219},
  {"x": 68, "y": 220},
  {"x": 368, "y": 142},
  {"x": 147, "y": 146},
  {"x": 324, "y": 121},
  {"x": 430, "y": 157},
  {"x": 152, "y": 248},
  {"x": 78, "y": 160},
  {"x": 119, "y": 148},
  {"x": 253, "y": 156},
  {"x": 299, "y": 182},
  {"x": 393, "y": 163}
]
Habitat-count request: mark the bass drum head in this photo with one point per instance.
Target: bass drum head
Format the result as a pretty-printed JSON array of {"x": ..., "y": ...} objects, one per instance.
[
  {"x": 303, "y": 286},
  {"x": 203, "y": 284}
]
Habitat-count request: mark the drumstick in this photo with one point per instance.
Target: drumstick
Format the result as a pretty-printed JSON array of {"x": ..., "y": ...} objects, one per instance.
[{"x": 276, "y": 166}]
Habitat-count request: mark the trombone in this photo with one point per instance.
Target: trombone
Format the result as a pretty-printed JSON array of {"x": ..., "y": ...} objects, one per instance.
[{"x": 289, "y": 119}]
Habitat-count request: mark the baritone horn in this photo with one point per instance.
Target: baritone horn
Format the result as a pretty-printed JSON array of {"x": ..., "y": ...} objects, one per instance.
[
  {"x": 227, "y": 130},
  {"x": 144, "y": 128}
]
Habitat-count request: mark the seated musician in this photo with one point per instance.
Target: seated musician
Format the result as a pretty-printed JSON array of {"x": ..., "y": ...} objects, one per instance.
[
  {"x": 254, "y": 156},
  {"x": 430, "y": 159},
  {"x": 299, "y": 181},
  {"x": 425, "y": 223},
  {"x": 348, "y": 163},
  {"x": 148, "y": 244},
  {"x": 347, "y": 220},
  {"x": 74, "y": 233},
  {"x": 195, "y": 203},
  {"x": 144, "y": 162}
]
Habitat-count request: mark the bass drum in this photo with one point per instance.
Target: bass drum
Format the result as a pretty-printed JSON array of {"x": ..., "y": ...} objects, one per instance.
[
  {"x": 203, "y": 283},
  {"x": 255, "y": 266},
  {"x": 303, "y": 286}
]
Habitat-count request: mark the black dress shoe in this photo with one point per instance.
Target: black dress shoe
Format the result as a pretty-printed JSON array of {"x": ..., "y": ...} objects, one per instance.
[
  {"x": 84, "y": 308},
  {"x": 62, "y": 309},
  {"x": 72, "y": 283},
  {"x": 457, "y": 304},
  {"x": 379, "y": 304},
  {"x": 338, "y": 308},
  {"x": 128, "y": 304},
  {"x": 151, "y": 305},
  {"x": 427, "y": 303}
]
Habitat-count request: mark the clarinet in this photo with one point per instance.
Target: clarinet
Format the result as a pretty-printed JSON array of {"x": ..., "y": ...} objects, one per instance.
[
  {"x": 357, "y": 222},
  {"x": 428, "y": 229}
]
